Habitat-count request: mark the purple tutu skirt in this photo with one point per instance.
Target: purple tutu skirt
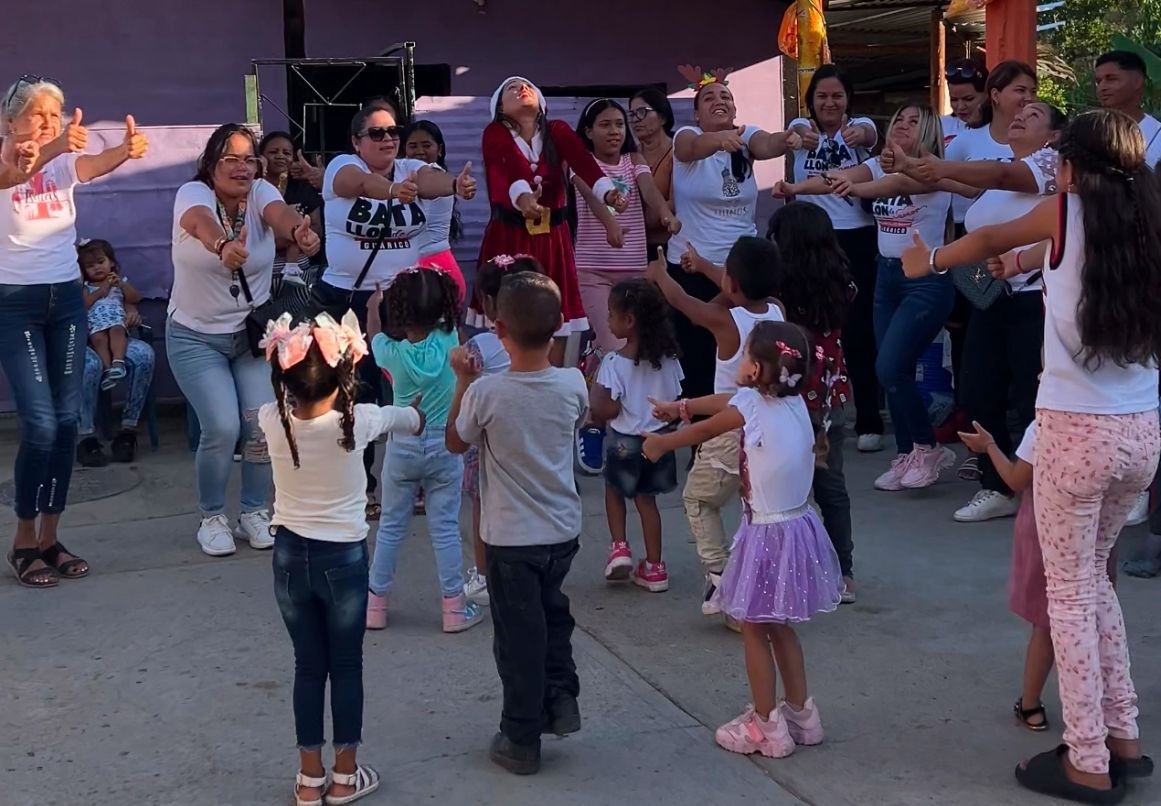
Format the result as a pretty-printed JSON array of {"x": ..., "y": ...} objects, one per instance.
[{"x": 781, "y": 571}]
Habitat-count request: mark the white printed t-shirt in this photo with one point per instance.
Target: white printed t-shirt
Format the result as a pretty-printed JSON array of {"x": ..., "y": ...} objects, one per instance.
[
  {"x": 1151, "y": 131},
  {"x": 896, "y": 217},
  {"x": 38, "y": 232},
  {"x": 832, "y": 154},
  {"x": 970, "y": 145},
  {"x": 353, "y": 226},
  {"x": 633, "y": 385}
]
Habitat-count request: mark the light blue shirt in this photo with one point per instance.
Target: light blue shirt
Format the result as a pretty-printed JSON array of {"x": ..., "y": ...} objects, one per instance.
[{"x": 420, "y": 368}]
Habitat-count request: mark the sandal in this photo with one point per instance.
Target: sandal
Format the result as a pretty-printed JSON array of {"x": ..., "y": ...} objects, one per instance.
[
  {"x": 1045, "y": 774},
  {"x": 68, "y": 569},
  {"x": 374, "y": 509},
  {"x": 21, "y": 560},
  {"x": 1025, "y": 715},
  {"x": 1143, "y": 569},
  {"x": 301, "y": 781},
  {"x": 364, "y": 779},
  {"x": 1139, "y": 767}
]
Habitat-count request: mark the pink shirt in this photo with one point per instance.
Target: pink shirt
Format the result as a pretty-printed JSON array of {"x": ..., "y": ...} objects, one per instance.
[{"x": 593, "y": 252}]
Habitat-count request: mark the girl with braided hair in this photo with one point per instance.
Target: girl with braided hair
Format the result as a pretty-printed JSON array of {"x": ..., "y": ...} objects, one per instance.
[
  {"x": 316, "y": 435},
  {"x": 414, "y": 348},
  {"x": 1096, "y": 419}
]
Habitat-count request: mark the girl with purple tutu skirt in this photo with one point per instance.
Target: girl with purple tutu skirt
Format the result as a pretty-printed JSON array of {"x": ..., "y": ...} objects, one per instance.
[{"x": 783, "y": 568}]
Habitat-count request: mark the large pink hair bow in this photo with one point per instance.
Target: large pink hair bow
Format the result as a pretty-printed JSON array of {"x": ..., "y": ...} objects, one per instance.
[
  {"x": 336, "y": 339},
  {"x": 290, "y": 344}
]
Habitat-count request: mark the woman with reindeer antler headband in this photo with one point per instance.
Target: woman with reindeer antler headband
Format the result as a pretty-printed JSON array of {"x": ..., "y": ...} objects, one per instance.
[
  {"x": 716, "y": 196},
  {"x": 524, "y": 158}
]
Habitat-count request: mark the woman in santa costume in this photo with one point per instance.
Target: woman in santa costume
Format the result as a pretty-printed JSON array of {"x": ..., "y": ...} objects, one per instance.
[{"x": 525, "y": 155}]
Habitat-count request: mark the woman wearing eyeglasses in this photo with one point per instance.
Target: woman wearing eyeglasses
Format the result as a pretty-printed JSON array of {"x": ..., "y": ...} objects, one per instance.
[
  {"x": 226, "y": 222},
  {"x": 652, "y": 122},
  {"x": 42, "y": 311},
  {"x": 832, "y": 140}
]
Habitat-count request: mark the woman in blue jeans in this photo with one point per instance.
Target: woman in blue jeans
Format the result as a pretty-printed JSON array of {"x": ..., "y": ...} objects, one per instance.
[
  {"x": 225, "y": 222},
  {"x": 42, "y": 311},
  {"x": 139, "y": 363}
]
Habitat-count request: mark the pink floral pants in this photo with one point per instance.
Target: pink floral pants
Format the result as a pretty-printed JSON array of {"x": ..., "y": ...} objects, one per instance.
[{"x": 1089, "y": 470}]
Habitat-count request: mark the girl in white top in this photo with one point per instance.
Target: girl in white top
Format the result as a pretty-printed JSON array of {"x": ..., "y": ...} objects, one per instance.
[
  {"x": 1096, "y": 414},
  {"x": 622, "y": 396},
  {"x": 316, "y": 434},
  {"x": 747, "y": 282},
  {"x": 783, "y": 569},
  {"x": 424, "y": 141}
]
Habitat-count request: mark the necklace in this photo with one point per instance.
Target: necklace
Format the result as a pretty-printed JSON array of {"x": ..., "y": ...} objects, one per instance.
[{"x": 233, "y": 227}]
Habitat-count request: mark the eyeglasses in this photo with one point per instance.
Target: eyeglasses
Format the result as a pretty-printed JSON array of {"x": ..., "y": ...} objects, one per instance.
[
  {"x": 28, "y": 78},
  {"x": 232, "y": 161},
  {"x": 641, "y": 112},
  {"x": 380, "y": 133},
  {"x": 967, "y": 72}
]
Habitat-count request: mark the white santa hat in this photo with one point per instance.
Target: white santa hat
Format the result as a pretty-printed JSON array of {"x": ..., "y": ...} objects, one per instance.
[{"x": 503, "y": 84}]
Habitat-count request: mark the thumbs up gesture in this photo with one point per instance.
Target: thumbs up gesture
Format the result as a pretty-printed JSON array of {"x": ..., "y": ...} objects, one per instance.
[
  {"x": 809, "y": 136},
  {"x": 76, "y": 136},
  {"x": 465, "y": 183},
  {"x": 406, "y": 191},
  {"x": 136, "y": 143},
  {"x": 917, "y": 258},
  {"x": 529, "y": 203},
  {"x": 234, "y": 253},
  {"x": 306, "y": 238},
  {"x": 21, "y": 156}
]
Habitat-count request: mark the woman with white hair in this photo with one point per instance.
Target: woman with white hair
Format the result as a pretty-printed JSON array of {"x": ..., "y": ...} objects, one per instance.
[{"x": 42, "y": 311}]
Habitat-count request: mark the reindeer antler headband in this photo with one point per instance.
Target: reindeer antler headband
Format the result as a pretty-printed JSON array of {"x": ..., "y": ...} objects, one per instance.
[{"x": 699, "y": 78}]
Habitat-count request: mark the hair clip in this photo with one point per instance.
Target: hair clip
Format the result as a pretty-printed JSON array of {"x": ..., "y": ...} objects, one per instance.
[
  {"x": 503, "y": 261},
  {"x": 786, "y": 349},
  {"x": 337, "y": 339},
  {"x": 290, "y": 344},
  {"x": 83, "y": 242},
  {"x": 789, "y": 380}
]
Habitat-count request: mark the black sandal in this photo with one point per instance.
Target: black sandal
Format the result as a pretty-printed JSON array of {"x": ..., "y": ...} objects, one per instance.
[
  {"x": 1139, "y": 767},
  {"x": 1026, "y": 714},
  {"x": 21, "y": 560},
  {"x": 67, "y": 569},
  {"x": 1045, "y": 774}
]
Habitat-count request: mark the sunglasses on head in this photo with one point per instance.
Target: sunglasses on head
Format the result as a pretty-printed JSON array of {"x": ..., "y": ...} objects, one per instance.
[
  {"x": 381, "y": 133},
  {"x": 28, "y": 78},
  {"x": 967, "y": 72}
]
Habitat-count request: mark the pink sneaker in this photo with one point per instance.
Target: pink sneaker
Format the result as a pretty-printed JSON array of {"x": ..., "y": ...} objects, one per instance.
[
  {"x": 619, "y": 566},
  {"x": 749, "y": 733},
  {"x": 653, "y": 577},
  {"x": 805, "y": 725},
  {"x": 892, "y": 480},
  {"x": 925, "y": 466},
  {"x": 459, "y": 614},
  {"x": 376, "y": 611}
]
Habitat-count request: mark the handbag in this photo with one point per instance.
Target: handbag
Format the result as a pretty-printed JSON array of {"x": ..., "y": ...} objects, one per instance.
[
  {"x": 979, "y": 287},
  {"x": 289, "y": 296}
]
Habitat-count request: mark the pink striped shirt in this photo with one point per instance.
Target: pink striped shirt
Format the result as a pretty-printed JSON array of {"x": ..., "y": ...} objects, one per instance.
[{"x": 593, "y": 252}]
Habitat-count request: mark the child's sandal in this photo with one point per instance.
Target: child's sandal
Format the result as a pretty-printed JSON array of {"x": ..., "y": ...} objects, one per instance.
[
  {"x": 1025, "y": 715},
  {"x": 365, "y": 780},
  {"x": 302, "y": 781}
]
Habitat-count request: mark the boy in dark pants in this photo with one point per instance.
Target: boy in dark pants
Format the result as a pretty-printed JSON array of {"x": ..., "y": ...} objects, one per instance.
[{"x": 524, "y": 421}]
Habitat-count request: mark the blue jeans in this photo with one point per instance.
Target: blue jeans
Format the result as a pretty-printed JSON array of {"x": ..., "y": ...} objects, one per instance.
[
  {"x": 43, "y": 329},
  {"x": 321, "y": 589},
  {"x": 139, "y": 362},
  {"x": 908, "y": 316},
  {"x": 413, "y": 463},
  {"x": 226, "y": 385}
]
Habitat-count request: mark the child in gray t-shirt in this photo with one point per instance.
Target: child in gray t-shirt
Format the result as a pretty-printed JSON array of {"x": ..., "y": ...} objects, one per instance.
[{"x": 524, "y": 421}]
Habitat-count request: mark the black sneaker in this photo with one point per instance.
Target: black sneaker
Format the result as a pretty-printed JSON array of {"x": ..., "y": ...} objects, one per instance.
[
  {"x": 124, "y": 446},
  {"x": 563, "y": 716},
  {"x": 90, "y": 454},
  {"x": 518, "y": 759}
]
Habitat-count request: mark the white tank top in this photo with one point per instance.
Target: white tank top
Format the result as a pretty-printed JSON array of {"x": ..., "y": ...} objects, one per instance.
[
  {"x": 726, "y": 371},
  {"x": 1067, "y": 385}
]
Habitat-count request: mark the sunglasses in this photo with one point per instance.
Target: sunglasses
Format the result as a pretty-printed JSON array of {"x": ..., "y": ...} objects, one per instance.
[
  {"x": 966, "y": 72},
  {"x": 380, "y": 133},
  {"x": 28, "y": 78},
  {"x": 641, "y": 112}
]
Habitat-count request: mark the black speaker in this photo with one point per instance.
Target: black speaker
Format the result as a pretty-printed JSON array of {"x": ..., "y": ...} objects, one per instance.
[{"x": 326, "y": 97}]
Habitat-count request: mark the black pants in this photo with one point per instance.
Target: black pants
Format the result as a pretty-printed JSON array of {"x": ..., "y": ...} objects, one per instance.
[
  {"x": 533, "y": 633},
  {"x": 862, "y": 250},
  {"x": 1001, "y": 369},
  {"x": 830, "y": 493},
  {"x": 699, "y": 351}
]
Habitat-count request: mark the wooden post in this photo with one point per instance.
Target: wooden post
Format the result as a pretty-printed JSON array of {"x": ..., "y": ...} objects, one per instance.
[
  {"x": 939, "y": 99},
  {"x": 1010, "y": 31}
]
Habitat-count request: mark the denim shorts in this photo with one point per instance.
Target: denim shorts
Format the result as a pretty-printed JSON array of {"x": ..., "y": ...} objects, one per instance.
[{"x": 630, "y": 474}]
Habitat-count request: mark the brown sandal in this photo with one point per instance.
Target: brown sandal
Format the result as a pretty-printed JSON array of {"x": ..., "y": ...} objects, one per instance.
[
  {"x": 67, "y": 569},
  {"x": 21, "y": 560},
  {"x": 374, "y": 509},
  {"x": 1026, "y": 715}
]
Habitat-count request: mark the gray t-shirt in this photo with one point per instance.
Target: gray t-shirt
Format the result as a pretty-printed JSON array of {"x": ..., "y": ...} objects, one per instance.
[{"x": 525, "y": 424}]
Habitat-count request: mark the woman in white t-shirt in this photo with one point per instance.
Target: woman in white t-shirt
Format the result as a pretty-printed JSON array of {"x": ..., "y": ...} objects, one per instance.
[
  {"x": 908, "y": 313},
  {"x": 831, "y": 140},
  {"x": 424, "y": 141},
  {"x": 1096, "y": 426},
  {"x": 1001, "y": 357},
  {"x": 42, "y": 310},
  {"x": 716, "y": 196},
  {"x": 225, "y": 223}
]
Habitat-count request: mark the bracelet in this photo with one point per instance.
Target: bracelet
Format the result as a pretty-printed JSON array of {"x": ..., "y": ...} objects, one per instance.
[
  {"x": 219, "y": 245},
  {"x": 931, "y": 260},
  {"x": 683, "y": 410},
  {"x": 1019, "y": 268},
  {"x": 390, "y": 189}
]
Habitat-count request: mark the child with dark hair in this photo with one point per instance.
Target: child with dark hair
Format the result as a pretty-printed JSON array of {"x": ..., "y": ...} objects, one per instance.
[
  {"x": 316, "y": 434},
  {"x": 747, "y": 284},
  {"x": 628, "y": 383},
  {"x": 486, "y": 352},
  {"x": 523, "y": 421},
  {"x": 106, "y": 295},
  {"x": 422, "y": 308},
  {"x": 783, "y": 569}
]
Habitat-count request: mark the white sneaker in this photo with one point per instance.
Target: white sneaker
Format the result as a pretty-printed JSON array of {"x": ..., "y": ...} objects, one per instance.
[
  {"x": 925, "y": 466},
  {"x": 215, "y": 538},
  {"x": 255, "y": 527},
  {"x": 892, "y": 479},
  {"x": 476, "y": 588},
  {"x": 870, "y": 443},
  {"x": 1140, "y": 511},
  {"x": 987, "y": 505},
  {"x": 708, "y": 607}
]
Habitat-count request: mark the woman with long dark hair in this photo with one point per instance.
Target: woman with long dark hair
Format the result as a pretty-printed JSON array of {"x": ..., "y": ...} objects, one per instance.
[
  {"x": 831, "y": 139},
  {"x": 1096, "y": 417},
  {"x": 424, "y": 141},
  {"x": 652, "y": 123}
]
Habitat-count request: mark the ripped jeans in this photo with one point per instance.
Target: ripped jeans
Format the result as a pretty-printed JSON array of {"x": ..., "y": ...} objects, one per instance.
[{"x": 226, "y": 385}]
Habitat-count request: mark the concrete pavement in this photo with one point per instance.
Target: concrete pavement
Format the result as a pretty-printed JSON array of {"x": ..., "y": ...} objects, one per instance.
[{"x": 165, "y": 677}]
